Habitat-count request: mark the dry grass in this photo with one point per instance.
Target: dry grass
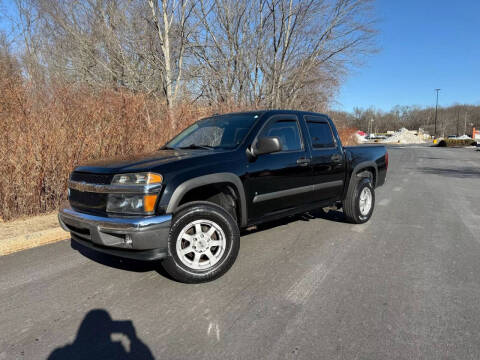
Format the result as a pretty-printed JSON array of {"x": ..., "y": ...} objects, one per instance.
[
  {"x": 45, "y": 133},
  {"x": 43, "y": 137},
  {"x": 347, "y": 135}
]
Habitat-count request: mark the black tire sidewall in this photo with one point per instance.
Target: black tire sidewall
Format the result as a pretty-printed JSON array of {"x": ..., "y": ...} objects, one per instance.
[
  {"x": 202, "y": 211},
  {"x": 365, "y": 182}
]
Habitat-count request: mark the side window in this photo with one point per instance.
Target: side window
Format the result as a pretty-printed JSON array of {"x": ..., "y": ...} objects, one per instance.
[
  {"x": 288, "y": 133},
  {"x": 321, "y": 134}
]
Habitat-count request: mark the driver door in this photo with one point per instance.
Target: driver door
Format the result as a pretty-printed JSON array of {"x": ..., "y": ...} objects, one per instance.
[{"x": 280, "y": 181}]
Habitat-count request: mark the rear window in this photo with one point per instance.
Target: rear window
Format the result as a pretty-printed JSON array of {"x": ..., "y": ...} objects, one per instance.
[{"x": 320, "y": 134}]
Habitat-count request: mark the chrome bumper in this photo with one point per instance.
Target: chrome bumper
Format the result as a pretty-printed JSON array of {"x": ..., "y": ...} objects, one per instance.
[{"x": 118, "y": 236}]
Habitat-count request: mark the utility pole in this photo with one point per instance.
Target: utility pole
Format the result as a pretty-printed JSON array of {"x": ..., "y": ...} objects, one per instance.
[
  {"x": 458, "y": 119},
  {"x": 436, "y": 110}
]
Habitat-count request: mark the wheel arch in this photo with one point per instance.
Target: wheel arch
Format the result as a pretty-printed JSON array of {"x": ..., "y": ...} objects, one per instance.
[
  {"x": 229, "y": 179},
  {"x": 370, "y": 166}
]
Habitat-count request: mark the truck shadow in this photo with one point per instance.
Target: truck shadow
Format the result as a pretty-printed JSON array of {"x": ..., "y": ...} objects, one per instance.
[
  {"x": 147, "y": 266},
  {"x": 100, "y": 337},
  {"x": 120, "y": 263},
  {"x": 332, "y": 215}
]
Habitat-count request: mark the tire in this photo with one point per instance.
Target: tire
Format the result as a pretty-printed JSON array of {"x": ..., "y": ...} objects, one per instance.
[
  {"x": 356, "y": 210},
  {"x": 209, "y": 238},
  {"x": 226, "y": 201}
]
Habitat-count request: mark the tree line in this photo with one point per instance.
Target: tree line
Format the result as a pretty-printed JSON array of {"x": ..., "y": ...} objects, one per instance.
[
  {"x": 457, "y": 119},
  {"x": 254, "y": 53}
]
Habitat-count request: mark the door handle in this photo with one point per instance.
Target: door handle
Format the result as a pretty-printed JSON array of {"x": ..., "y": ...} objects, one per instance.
[
  {"x": 303, "y": 162},
  {"x": 336, "y": 158}
]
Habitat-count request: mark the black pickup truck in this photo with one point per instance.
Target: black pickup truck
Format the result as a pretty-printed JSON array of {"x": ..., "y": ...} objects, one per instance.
[{"x": 186, "y": 202}]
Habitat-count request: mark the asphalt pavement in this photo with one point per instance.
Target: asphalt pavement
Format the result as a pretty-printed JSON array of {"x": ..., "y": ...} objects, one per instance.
[{"x": 405, "y": 285}]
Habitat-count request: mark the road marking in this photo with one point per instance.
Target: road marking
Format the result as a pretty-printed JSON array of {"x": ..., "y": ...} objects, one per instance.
[
  {"x": 384, "y": 202},
  {"x": 300, "y": 291},
  {"x": 397, "y": 188},
  {"x": 214, "y": 328}
]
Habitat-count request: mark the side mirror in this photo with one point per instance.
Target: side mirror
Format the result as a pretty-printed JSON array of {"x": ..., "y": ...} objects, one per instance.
[{"x": 267, "y": 145}]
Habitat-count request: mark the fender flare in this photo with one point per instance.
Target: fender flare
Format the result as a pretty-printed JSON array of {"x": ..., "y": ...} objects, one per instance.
[
  {"x": 359, "y": 167},
  {"x": 188, "y": 185}
]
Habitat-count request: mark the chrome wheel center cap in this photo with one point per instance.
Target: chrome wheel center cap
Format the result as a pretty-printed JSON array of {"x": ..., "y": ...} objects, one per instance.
[{"x": 201, "y": 245}]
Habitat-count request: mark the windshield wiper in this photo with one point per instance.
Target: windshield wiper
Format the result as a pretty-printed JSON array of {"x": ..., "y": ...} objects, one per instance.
[
  {"x": 167, "y": 148},
  {"x": 195, "y": 146}
]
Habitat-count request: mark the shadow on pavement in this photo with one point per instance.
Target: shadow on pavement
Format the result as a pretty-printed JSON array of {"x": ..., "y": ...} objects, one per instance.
[
  {"x": 431, "y": 158},
  {"x": 120, "y": 263},
  {"x": 332, "y": 215},
  {"x": 146, "y": 266},
  {"x": 100, "y": 337},
  {"x": 465, "y": 172}
]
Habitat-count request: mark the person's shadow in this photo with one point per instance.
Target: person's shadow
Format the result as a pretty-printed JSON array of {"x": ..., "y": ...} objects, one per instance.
[{"x": 100, "y": 337}]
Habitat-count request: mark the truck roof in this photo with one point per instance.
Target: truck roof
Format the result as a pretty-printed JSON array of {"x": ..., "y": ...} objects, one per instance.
[{"x": 273, "y": 112}]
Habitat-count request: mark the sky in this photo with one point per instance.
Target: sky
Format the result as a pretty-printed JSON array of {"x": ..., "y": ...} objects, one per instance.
[
  {"x": 424, "y": 44},
  {"x": 7, "y": 12}
]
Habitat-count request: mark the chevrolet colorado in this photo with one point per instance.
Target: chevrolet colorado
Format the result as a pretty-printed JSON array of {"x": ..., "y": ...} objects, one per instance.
[{"x": 186, "y": 202}]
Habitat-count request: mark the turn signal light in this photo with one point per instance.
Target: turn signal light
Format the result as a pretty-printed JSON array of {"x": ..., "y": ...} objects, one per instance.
[
  {"x": 149, "y": 202},
  {"x": 154, "y": 178}
]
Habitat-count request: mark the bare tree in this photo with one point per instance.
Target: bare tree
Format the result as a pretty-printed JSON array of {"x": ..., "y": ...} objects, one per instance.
[
  {"x": 166, "y": 16},
  {"x": 260, "y": 53},
  {"x": 311, "y": 44},
  {"x": 279, "y": 53}
]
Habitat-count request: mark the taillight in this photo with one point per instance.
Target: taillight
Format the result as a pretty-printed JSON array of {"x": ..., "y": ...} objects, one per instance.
[{"x": 386, "y": 159}]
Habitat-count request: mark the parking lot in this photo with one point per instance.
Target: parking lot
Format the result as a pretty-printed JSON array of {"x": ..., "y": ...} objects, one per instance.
[{"x": 405, "y": 285}]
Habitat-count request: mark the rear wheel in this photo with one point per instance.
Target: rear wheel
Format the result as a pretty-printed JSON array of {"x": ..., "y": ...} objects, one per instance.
[
  {"x": 203, "y": 243},
  {"x": 360, "y": 201}
]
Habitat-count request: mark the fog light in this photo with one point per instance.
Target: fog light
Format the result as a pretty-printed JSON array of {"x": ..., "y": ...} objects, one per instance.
[{"x": 128, "y": 240}]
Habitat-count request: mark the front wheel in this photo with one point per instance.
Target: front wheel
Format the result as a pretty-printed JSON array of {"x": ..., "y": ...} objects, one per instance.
[
  {"x": 360, "y": 201},
  {"x": 203, "y": 243}
]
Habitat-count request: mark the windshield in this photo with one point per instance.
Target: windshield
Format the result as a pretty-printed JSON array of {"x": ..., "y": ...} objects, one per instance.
[{"x": 225, "y": 132}]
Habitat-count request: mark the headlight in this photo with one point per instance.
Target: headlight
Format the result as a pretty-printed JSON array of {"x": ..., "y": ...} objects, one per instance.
[
  {"x": 131, "y": 204},
  {"x": 145, "y": 178}
]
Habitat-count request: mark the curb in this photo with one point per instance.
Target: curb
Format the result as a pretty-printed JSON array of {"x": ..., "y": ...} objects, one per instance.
[{"x": 28, "y": 241}]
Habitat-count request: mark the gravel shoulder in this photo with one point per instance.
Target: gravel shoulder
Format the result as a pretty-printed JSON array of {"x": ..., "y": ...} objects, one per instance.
[{"x": 30, "y": 232}]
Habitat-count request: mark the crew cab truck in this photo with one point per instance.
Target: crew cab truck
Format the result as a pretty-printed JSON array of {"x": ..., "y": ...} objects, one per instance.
[{"x": 186, "y": 203}]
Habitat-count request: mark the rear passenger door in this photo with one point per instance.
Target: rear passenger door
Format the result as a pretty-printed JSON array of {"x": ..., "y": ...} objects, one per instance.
[{"x": 327, "y": 163}]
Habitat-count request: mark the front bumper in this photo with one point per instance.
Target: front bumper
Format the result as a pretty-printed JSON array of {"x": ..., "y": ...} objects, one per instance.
[{"x": 141, "y": 238}]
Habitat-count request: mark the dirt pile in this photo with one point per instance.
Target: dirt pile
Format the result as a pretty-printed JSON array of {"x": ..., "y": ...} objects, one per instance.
[{"x": 404, "y": 136}]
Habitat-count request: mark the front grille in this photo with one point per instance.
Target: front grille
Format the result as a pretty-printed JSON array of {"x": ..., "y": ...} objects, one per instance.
[
  {"x": 101, "y": 179},
  {"x": 88, "y": 201}
]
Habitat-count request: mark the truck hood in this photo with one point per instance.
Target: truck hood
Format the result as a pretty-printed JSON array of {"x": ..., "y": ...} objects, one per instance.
[{"x": 143, "y": 162}]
